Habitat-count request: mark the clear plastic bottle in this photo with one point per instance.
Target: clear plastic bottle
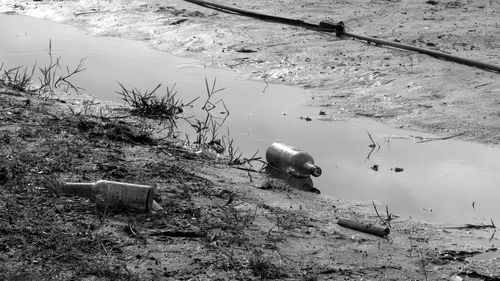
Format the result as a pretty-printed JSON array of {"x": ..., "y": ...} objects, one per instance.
[
  {"x": 111, "y": 193},
  {"x": 291, "y": 160}
]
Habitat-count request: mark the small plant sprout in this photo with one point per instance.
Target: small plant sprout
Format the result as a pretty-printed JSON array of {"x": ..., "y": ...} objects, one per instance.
[
  {"x": 17, "y": 78},
  {"x": 148, "y": 104},
  {"x": 51, "y": 79},
  {"x": 207, "y": 127}
]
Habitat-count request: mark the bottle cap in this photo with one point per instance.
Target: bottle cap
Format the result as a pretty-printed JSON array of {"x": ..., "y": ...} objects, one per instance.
[{"x": 316, "y": 171}]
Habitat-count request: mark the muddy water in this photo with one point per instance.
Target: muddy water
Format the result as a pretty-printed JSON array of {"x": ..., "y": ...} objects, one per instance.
[{"x": 440, "y": 179}]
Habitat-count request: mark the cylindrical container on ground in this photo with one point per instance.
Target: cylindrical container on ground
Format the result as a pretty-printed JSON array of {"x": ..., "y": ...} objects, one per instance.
[
  {"x": 291, "y": 160},
  {"x": 113, "y": 194}
]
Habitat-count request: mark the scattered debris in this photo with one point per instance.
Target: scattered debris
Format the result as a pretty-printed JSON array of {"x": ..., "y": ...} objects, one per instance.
[
  {"x": 439, "y": 138},
  {"x": 482, "y": 85},
  {"x": 457, "y": 255},
  {"x": 476, "y": 275},
  {"x": 341, "y": 95},
  {"x": 91, "y": 12},
  {"x": 371, "y": 115},
  {"x": 245, "y": 50},
  {"x": 365, "y": 227},
  {"x": 473, "y": 226},
  {"x": 155, "y": 207},
  {"x": 179, "y": 21},
  {"x": 179, "y": 233},
  {"x": 226, "y": 246}
]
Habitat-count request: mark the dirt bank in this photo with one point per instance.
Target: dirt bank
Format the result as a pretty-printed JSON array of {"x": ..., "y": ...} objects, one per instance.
[{"x": 348, "y": 77}]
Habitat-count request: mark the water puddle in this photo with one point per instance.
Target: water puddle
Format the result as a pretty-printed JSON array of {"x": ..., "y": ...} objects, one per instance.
[{"x": 439, "y": 182}]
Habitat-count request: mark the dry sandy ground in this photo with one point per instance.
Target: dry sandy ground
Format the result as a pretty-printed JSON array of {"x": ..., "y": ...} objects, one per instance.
[
  {"x": 220, "y": 223},
  {"x": 349, "y": 78}
]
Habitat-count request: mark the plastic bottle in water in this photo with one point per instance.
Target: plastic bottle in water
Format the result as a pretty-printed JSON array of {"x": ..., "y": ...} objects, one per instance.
[
  {"x": 291, "y": 160},
  {"x": 111, "y": 193}
]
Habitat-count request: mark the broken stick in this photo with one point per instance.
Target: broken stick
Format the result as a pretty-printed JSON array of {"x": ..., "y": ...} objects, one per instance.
[{"x": 363, "y": 227}]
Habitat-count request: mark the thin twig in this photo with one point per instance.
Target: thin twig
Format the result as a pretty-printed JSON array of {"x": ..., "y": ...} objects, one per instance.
[
  {"x": 250, "y": 176},
  {"x": 264, "y": 90},
  {"x": 423, "y": 264},
  {"x": 246, "y": 169},
  {"x": 376, "y": 211},
  {"x": 104, "y": 248},
  {"x": 90, "y": 12},
  {"x": 370, "y": 153},
  {"x": 441, "y": 138},
  {"x": 389, "y": 215},
  {"x": 373, "y": 143},
  {"x": 472, "y": 226},
  {"x": 492, "y": 235}
]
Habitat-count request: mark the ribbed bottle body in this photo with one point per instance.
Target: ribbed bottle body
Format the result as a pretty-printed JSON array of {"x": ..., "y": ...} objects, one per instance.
[
  {"x": 135, "y": 196},
  {"x": 291, "y": 160}
]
